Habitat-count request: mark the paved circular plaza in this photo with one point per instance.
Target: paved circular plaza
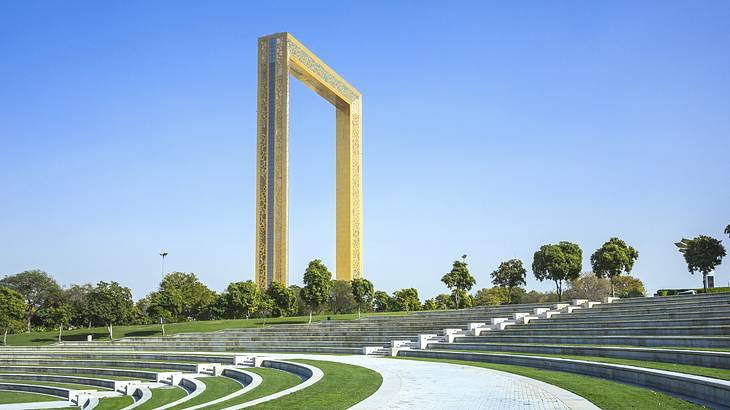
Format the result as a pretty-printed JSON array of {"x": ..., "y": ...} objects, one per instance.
[{"x": 411, "y": 384}]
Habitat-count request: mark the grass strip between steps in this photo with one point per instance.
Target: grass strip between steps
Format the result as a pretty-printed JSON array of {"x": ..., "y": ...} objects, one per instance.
[
  {"x": 342, "y": 386},
  {"x": 114, "y": 403},
  {"x": 606, "y": 394},
  {"x": 722, "y": 374},
  {"x": 11, "y": 397},
  {"x": 162, "y": 396},
  {"x": 274, "y": 381}
]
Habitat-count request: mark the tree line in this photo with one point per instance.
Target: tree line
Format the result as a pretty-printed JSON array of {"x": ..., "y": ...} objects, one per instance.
[{"x": 33, "y": 300}]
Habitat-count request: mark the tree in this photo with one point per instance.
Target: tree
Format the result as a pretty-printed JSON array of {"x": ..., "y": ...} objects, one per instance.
[
  {"x": 509, "y": 275},
  {"x": 340, "y": 299},
  {"x": 491, "y": 296},
  {"x": 459, "y": 279},
  {"x": 443, "y": 301},
  {"x": 317, "y": 284},
  {"x": 242, "y": 299},
  {"x": 702, "y": 254},
  {"x": 629, "y": 287},
  {"x": 588, "y": 286},
  {"x": 727, "y": 230},
  {"x": 283, "y": 300},
  {"x": 406, "y": 300},
  {"x": 110, "y": 304},
  {"x": 12, "y": 311},
  {"x": 181, "y": 296},
  {"x": 560, "y": 262},
  {"x": 76, "y": 297},
  {"x": 430, "y": 304},
  {"x": 57, "y": 315},
  {"x": 381, "y": 301},
  {"x": 37, "y": 288},
  {"x": 363, "y": 292},
  {"x": 613, "y": 258}
]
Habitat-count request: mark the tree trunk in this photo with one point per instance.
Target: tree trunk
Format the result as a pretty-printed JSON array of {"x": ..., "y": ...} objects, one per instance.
[
  {"x": 111, "y": 332},
  {"x": 163, "y": 329},
  {"x": 509, "y": 296},
  {"x": 60, "y": 332},
  {"x": 704, "y": 281},
  {"x": 30, "y": 315},
  {"x": 613, "y": 291},
  {"x": 5, "y": 337},
  {"x": 559, "y": 290},
  {"x": 358, "y": 311},
  {"x": 310, "y": 316},
  {"x": 456, "y": 296}
]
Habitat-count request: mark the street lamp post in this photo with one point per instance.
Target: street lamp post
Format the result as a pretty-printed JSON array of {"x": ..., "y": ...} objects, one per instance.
[{"x": 163, "y": 254}]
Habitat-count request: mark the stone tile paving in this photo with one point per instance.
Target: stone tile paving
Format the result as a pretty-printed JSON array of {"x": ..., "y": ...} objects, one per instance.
[{"x": 431, "y": 385}]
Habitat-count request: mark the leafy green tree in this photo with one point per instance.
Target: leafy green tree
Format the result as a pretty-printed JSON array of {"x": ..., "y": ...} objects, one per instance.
[
  {"x": 76, "y": 297},
  {"x": 613, "y": 258},
  {"x": 363, "y": 292},
  {"x": 37, "y": 288},
  {"x": 443, "y": 301},
  {"x": 588, "y": 286},
  {"x": 629, "y": 287},
  {"x": 509, "y": 275},
  {"x": 702, "y": 254},
  {"x": 727, "y": 230},
  {"x": 459, "y": 279},
  {"x": 406, "y": 300},
  {"x": 341, "y": 299},
  {"x": 57, "y": 316},
  {"x": 493, "y": 296},
  {"x": 317, "y": 285},
  {"x": 182, "y": 297},
  {"x": 381, "y": 301},
  {"x": 283, "y": 300},
  {"x": 12, "y": 311},
  {"x": 266, "y": 306},
  {"x": 430, "y": 304},
  {"x": 558, "y": 263},
  {"x": 242, "y": 299},
  {"x": 110, "y": 304},
  {"x": 460, "y": 298}
]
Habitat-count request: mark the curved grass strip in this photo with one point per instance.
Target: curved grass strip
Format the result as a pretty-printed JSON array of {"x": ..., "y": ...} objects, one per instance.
[
  {"x": 141, "y": 395},
  {"x": 608, "y": 395},
  {"x": 715, "y": 373},
  {"x": 114, "y": 403},
  {"x": 273, "y": 381},
  {"x": 68, "y": 386},
  {"x": 341, "y": 387},
  {"x": 194, "y": 386},
  {"x": 248, "y": 381},
  {"x": 215, "y": 388},
  {"x": 12, "y": 397},
  {"x": 162, "y": 396}
]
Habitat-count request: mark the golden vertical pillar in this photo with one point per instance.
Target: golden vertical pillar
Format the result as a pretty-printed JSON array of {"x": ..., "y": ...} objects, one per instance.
[{"x": 280, "y": 55}]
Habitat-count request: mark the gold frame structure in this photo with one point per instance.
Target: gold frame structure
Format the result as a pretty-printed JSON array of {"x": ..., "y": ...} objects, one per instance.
[{"x": 281, "y": 54}]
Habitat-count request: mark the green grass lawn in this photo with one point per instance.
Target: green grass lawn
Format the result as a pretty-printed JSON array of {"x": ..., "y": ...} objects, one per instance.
[
  {"x": 607, "y": 395},
  {"x": 273, "y": 381},
  {"x": 672, "y": 367},
  {"x": 70, "y": 386},
  {"x": 9, "y": 397},
  {"x": 100, "y": 333},
  {"x": 342, "y": 386},
  {"x": 61, "y": 372},
  {"x": 162, "y": 396},
  {"x": 215, "y": 388},
  {"x": 114, "y": 403}
]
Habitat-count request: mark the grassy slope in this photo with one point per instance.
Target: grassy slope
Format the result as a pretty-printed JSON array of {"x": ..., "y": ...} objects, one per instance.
[
  {"x": 605, "y": 394},
  {"x": 215, "y": 388},
  {"x": 100, "y": 333},
  {"x": 8, "y": 397},
  {"x": 274, "y": 381},
  {"x": 70, "y": 386},
  {"x": 162, "y": 396},
  {"x": 342, "y": 386},
  {"x": 672, "y": 367},
  {"x": 114, "y": 403}
]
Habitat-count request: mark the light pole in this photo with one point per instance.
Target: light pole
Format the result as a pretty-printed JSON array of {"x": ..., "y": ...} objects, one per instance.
[{"x": 163, "y": 254}]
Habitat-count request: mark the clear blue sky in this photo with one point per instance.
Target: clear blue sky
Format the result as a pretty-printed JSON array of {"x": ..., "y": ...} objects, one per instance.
[{"x": 489, "y": 129}]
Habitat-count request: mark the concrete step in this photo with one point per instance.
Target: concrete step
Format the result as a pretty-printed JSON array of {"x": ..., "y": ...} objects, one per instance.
[{"x": 722, "y": 342}]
